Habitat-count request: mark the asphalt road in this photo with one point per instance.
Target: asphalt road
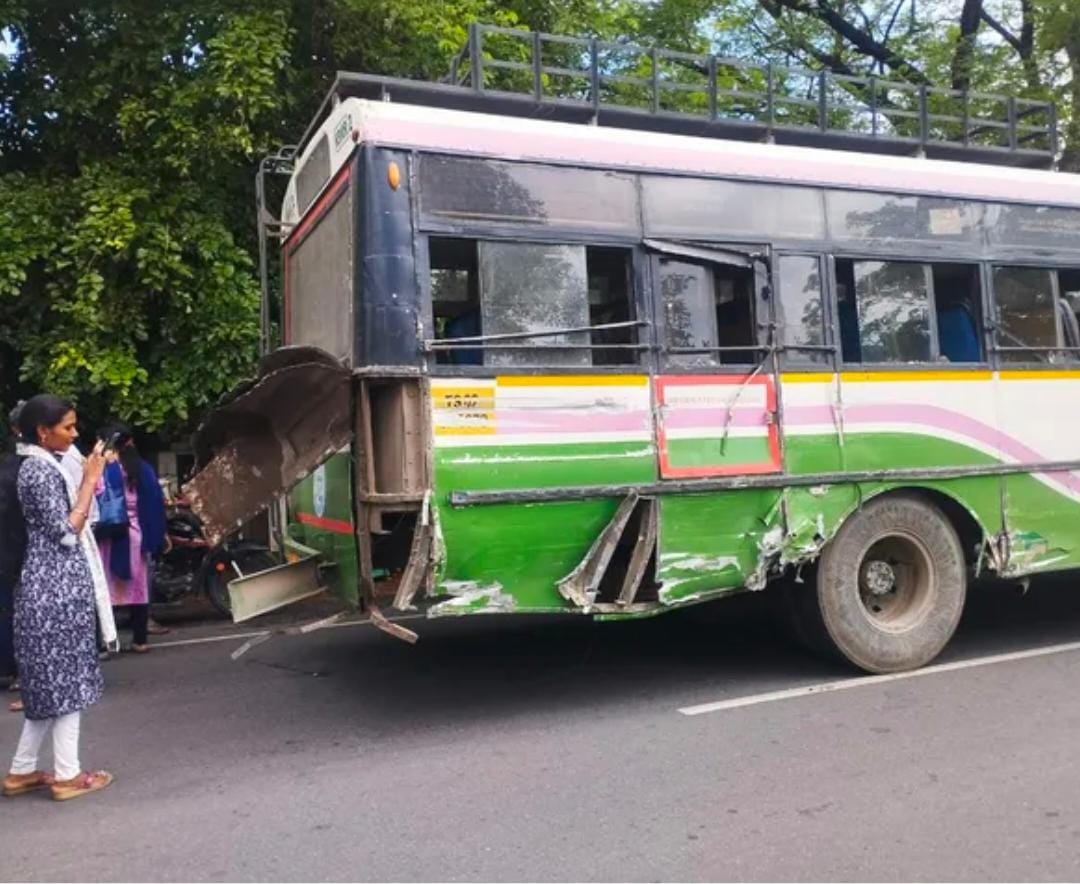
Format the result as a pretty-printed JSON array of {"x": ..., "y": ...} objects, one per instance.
[{"x": 518, "y": 749}]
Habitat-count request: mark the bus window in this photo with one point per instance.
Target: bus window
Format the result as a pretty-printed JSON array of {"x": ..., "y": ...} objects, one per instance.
[
  {"x": 611, "y": 300},
  {"x": 498, "y": 288},
  {"x": 1027, "y": 314},
  {"x": 800, "y": 317},
  {"x": 534, "y": 287},
  {"x": 707, "y": 309},
  {"x": 957, "y": 300},
  {"x": 455, "y": 298},
  {"x": 884, "y": 310},
  {"x": 1069, "y": 288}
]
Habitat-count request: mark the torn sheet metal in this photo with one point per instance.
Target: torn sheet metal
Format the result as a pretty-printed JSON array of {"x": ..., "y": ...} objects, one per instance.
[
  {"x": 470, "y": 597},
  {"x": 380, "y": 621},
  {"x": 580, "y": 585},
  {"x": 644, "y": 550},
  {"x": 302, "y": 629},
  {"x": 421, "y": 558},
  {"x": 274, "y": 588},
  {"x": 267, "y": 435},
  {"x": 690, "y": 569}
]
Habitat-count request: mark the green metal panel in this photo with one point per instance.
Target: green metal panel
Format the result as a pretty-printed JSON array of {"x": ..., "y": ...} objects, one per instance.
[{"x": 321, "y": 517}]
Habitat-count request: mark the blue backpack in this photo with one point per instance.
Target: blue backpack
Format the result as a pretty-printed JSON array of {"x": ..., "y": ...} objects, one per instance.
[{"x": 112, "y": 509}]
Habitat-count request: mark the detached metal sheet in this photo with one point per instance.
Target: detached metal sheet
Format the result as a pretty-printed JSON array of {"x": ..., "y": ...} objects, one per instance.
[
  {"x": 268, "y": 435},
  {"x": 274, "y": 588}
]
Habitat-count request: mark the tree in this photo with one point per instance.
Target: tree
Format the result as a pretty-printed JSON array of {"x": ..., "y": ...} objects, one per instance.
[
  {"x": 130, "y": 132},
  {"x": 123, "y": 280}
]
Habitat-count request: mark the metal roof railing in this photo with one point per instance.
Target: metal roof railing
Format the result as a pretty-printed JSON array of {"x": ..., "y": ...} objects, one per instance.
[
  {"x": 768, "y": 101},
  {"x": 575, "y": 79}
]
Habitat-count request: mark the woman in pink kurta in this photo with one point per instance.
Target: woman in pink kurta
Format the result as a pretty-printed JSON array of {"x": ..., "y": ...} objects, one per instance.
[
  {"x": 127, "y": 550},
  {"x": 136, "y": 590}
]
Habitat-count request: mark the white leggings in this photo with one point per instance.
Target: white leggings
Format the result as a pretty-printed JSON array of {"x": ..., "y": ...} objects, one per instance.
[{"x": 65, "y": 746}]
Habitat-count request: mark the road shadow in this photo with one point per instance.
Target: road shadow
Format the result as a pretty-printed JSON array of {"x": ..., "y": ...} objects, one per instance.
[{"x": 492, "y": 668}]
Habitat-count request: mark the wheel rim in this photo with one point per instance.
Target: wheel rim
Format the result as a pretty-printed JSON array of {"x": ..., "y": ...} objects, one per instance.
[{"x": 897, "y": 583}]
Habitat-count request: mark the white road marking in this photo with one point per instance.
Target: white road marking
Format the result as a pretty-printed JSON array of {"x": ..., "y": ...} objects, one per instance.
[
  {"x": 847, "y": 683},
  {"x": 176, "y": 643}
]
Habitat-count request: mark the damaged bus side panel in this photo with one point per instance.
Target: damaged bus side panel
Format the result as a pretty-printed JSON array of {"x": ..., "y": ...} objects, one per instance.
[{"x": 567, "y": 389}]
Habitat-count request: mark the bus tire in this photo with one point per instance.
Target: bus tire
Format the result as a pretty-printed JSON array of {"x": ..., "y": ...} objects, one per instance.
[{"x": 890, "y": 586}]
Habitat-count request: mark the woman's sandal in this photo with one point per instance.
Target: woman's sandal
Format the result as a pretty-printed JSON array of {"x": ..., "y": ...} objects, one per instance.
[
  {"x": 20, "y": 784},
  {"x": 15, "y": 706},
  {"x": 139, "y": 649},
  {"x": 83, "y": 784}
]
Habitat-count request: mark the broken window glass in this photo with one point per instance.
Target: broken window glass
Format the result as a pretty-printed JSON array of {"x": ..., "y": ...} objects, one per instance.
[
  {"x": 1027, "y": 313},
  {"x": 800, "y": 316},
  {"x": 533, "y": 287},
  {"x": 707, "y": 308}
]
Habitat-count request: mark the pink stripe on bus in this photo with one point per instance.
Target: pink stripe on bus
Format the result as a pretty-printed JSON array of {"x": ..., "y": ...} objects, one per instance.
[{"x": 934, "y": 417}]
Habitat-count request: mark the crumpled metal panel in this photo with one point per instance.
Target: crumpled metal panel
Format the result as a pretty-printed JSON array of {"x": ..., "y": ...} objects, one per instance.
[{"x": 267, "y": 435}]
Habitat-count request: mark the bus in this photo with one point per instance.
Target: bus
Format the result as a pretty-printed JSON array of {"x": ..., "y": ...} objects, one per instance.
[{"x": 616, "y": 363}]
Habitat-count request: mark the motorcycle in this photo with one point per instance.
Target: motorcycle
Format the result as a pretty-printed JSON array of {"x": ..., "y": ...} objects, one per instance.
[{"x": 190, "y": 565}]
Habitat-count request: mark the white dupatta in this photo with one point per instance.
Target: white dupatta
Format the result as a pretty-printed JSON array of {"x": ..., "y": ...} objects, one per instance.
[{"x": 89, "y": 547}]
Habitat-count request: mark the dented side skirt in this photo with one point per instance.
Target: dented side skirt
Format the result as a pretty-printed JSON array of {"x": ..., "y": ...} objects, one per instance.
[
  {"x": 643, "y": 552},
  {"x": 580, "y": 585}
]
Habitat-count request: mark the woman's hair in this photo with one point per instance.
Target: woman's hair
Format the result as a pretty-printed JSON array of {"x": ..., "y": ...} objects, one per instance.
[
  {"x": 126, "y": 452},
  {"x": 13, "y": 417},
  {"x": 42, "y": 410}
]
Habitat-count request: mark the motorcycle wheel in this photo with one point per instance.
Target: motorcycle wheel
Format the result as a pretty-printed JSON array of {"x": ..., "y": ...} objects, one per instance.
[{"x": 217, "y": 584}]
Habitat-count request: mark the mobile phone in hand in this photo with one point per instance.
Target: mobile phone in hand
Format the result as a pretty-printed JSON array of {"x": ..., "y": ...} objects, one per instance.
[{"x": 111, "y": 443}]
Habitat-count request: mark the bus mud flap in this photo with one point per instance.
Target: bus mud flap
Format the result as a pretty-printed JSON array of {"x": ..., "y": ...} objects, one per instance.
[
  {"x": 580, "y": 586},
  {"x": 267, "y": 435}
]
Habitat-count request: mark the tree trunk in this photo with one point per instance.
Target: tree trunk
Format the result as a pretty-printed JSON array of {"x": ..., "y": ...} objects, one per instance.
[
  {"x": 1027, "y": 46},
  {"x": 964, "y": 55},
  {"x": 1070, "y": 159}
]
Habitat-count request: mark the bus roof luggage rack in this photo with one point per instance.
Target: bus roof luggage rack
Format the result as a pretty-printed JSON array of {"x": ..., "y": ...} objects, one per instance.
[{"x": 573, "y": 79}]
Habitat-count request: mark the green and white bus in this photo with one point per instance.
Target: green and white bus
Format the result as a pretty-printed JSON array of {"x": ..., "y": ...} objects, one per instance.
[{"x": 538, "y": 366}]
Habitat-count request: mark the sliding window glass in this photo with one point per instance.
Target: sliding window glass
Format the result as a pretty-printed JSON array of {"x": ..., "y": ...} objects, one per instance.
[
  {"x": 708, "y": 313},
  {"x": 885, "y": 312},
  {"x": 1028, "y": 327},
  {"x": 800, "y": 314},
  {"x": 507, "y": 304}
]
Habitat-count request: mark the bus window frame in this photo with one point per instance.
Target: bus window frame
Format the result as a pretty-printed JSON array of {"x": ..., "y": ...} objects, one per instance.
[
  {"x": 829, "y": 348},
  {"x": 1071, "y": 360},
  {"x": 641, "y": 294},
  {"x": 988, "y": 353},
  {"x": 760, "y": 257}
]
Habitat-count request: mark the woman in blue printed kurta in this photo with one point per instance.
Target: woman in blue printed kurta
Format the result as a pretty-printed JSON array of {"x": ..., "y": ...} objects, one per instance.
[
  {"x": 55, "y": 641},
  {"x": 55, "y": 637}
]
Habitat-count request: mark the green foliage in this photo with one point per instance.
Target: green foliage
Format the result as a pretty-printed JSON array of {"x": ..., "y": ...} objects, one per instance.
[{"x": 130, "y": 132}]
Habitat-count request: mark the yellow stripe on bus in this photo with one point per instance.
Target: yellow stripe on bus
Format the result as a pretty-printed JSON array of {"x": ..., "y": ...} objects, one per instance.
[
  {"x": 465, "y": 431},
  {"x": 870, "y": 377},
  {"x": 568, "y": 380},
  {"x": 1037, "y": 374}
]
